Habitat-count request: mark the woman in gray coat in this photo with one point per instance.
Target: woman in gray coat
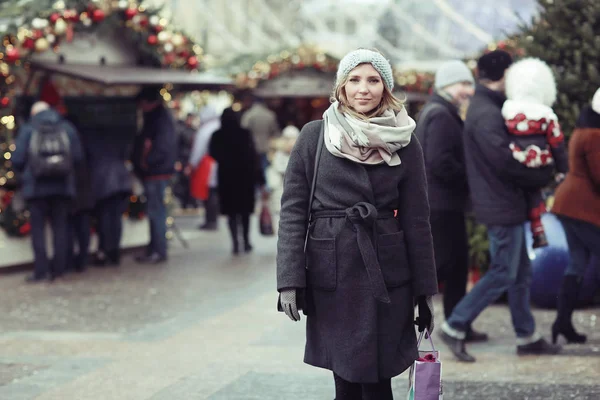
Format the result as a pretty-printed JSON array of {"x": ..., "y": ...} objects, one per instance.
[{"x": 368, "y": 256}]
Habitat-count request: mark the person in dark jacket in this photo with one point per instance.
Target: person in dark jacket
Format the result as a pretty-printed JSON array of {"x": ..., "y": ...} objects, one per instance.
[
  {"x": 83, "y": 204},
  {"x": 155, "y": 154},
  {"x": 239, "y": 175},
  {"x": 577, "y": 205},
  {"x": 111, "y": 187},
  {"x": 47, "y": 197},
  {"x": 440, "y": 131},
  {"x": 363, "y": 267},
  {"x": 498, "y": 184}
]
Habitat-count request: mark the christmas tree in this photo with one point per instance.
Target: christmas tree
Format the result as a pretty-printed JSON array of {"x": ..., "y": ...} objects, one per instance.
[{"x": 566, "y": 35}]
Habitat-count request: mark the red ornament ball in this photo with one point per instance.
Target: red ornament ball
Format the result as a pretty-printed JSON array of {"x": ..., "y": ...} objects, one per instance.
[
  {"x": 71, "y": 15},
  {"x": 12, "y": 55},
  {"x": 192, "y": 62},
  {"x": 184, "y": 54},
  {"x": 29, "y": 44},
  {"x": 4, "y": 102},
  {"x": 144, "y": 21},
  {"x": 54, "y": 17},
  {"x": 169, "y": 59},
  {"x": 98, "y": 15},
  {"x": 152, "y": 39},
  {"x": 130, "y": 13}
]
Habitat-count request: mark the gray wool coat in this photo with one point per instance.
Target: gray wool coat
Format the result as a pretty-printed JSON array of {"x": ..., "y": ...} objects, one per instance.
[{"x": 362, "y": 267}]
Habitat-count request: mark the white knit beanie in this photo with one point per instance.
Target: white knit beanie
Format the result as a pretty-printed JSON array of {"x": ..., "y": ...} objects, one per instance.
[
  {"x": 596, "y": 102},
  {"x": 362, "y": 56},
  {"x": 452, "y": 72}
]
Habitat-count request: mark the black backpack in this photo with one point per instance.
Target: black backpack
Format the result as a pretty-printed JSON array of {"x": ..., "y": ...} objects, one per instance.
[{"x": 50, "y": 151}]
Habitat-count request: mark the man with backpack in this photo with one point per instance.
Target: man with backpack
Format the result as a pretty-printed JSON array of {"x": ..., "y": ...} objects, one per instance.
[{"x": 47, "y": 152}]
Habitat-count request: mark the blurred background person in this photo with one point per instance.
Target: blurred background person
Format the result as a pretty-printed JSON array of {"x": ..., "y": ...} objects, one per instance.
[
  {"x": 48, "y": 186},
  {"x": 186, "y": 132},
  {"x": 154, "y": 157},
  {"x": 111, "y": 187},
  {"x": 440, "y": 131},
  {"x": 239, "y": 175},
  {"x": 262, "y": 123},
  {"x": 203, "y": 168},
  {"x": 577, "y": 205},
  {"x": 281, "y": 157}
]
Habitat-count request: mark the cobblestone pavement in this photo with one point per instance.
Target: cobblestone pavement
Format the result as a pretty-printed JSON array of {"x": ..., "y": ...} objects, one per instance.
[{"x": 204, "y": 326}]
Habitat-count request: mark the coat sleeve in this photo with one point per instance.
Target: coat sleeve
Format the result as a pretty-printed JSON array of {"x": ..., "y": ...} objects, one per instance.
[
  {"x": 493, "y": 140},
  {"x": 291, "y": 260},
  {"x": 413, "y": 215},
  {"x": 19, "y": 156},
  {"x": 440, "y": 150}
]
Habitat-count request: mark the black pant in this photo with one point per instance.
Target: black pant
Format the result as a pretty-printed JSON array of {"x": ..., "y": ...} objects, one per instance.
[
  {"x": 79, "y": 233},
  {"x": 234, "y": 221},
  {"x": 345, "y": 390},
  {"x": 56, "y": 209},
  {"x": 110, "y": 211},
  {"x": 451, "y": 246},
  {"x": 211, "y": 207}
]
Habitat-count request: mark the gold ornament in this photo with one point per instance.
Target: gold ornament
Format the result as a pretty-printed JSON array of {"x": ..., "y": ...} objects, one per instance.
[
  {"x": 42, "y": 44},
  {"x": 164, "y": 36},
  {"x": 177, "y": 40},
  {"x": 60, "y": 27}
]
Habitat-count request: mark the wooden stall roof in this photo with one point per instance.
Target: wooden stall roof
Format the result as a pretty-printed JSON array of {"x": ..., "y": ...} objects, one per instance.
[{"x": 137, "y": 75}]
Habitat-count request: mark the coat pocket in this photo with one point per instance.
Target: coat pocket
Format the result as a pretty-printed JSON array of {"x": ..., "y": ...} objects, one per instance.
[
  {"x": 393, "y": 259},
  {"x": 321, "y": 263}
]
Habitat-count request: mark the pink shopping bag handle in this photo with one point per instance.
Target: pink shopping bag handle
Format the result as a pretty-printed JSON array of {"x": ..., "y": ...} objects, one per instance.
[{"x": 430, "y": 340}]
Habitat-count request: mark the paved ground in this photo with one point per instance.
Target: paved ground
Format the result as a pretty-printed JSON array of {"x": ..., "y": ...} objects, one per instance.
[{"x": 204, "y": 326}]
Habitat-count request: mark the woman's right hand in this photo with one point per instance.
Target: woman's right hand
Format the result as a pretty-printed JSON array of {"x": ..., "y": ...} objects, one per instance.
[{"x": 289, "y": 303}]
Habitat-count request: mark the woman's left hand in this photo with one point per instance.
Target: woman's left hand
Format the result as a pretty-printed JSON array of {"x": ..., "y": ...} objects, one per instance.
[{"x": 425, "y": 318}]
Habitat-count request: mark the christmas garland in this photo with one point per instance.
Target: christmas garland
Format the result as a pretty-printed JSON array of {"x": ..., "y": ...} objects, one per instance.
[{"x": 304, "y": 57}]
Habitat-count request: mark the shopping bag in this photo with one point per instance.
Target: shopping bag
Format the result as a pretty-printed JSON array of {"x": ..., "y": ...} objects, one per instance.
[
  {"x": 266, "y": 221},
  {"x": 425, "y": 377}
]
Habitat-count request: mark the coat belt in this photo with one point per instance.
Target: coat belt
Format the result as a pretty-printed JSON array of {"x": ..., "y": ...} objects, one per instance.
[{"x": 362, "y": 216}]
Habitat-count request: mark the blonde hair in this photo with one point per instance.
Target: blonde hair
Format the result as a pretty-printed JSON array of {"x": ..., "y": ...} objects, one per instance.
[{"x": 388, "y": 101}]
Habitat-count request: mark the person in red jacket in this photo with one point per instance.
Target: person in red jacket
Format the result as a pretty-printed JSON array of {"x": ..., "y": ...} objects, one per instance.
[{"x": 577, "y": 205}]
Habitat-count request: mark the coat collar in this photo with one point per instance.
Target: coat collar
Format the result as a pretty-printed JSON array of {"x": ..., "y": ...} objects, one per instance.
[
  {"x": 436, "y": 98},
  {"x": 496, "y": 97}
]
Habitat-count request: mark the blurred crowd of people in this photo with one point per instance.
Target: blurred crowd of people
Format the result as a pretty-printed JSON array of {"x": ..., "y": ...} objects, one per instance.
[{"x": 82, "y": 181}]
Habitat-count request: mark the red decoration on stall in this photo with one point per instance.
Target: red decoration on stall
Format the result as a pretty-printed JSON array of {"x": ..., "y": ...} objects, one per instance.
[
  {"x": 98, "y": 15},
  {"x": 29, "y": 44},
  {"x": 152, "y": 39},
  {"x": 169, "y": 58},
  {"x": 71, "y": 15},
  {"x": 37, "y": 34},
  {"x": 12, "y": 55},
  {"x": 5, "y": 101},
  {"x": 192, "y": 62},
  {"x": 130, "y": 13},
  {"x": 144, "y": 21},
  {"x": 184, "y": 54},
  {"x": 54, "y": 17}
]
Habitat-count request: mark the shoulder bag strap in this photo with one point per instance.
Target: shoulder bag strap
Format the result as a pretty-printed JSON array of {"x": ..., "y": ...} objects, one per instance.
[{"x": 314, "y": 181}]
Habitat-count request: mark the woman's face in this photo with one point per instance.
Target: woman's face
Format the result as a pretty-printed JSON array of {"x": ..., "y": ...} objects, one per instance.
[{"x": 364, "y": 88}]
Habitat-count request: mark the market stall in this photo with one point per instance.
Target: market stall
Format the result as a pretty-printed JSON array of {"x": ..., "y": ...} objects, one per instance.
[{"x": 92, "y": 59}]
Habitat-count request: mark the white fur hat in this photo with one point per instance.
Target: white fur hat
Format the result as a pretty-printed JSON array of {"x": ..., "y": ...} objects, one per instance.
[
  {"x": 596, "y": 102},
  {"x": 531, "y": 79}
]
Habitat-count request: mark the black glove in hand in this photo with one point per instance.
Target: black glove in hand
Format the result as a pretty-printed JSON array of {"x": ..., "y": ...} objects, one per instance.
[
  {"x": 425, "y": 318},
  {"x": 289, "y": 304}
]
